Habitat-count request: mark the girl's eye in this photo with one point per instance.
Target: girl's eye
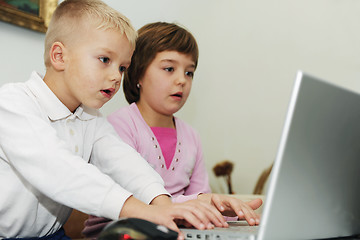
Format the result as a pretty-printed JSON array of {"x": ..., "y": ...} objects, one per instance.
[
  {"x": 189, "y": 74},
  {"x": 122, "y": 69},
  {"x": 104, "y": 59},
  {"x": 169, "y": 69}
]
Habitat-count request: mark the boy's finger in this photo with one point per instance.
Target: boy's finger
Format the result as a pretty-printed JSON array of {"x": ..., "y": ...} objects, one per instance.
[
  {"x": 190, "y": 218},
  {"x": 206, "y": 214},
  {"x": 181, "y": 236},
  {"x": 215, "y": 216},
  {"x": 172, "y": 225}
]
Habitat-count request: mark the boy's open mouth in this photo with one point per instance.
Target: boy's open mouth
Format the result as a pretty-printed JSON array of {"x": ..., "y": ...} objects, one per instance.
[{"x": 107, "y": 92}]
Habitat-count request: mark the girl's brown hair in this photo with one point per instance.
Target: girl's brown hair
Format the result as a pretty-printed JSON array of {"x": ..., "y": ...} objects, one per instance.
[{"x": 152, "y": 39}]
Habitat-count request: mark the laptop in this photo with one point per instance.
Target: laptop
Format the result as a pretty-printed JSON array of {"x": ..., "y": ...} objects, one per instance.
[{"x": 313, "y": 190}]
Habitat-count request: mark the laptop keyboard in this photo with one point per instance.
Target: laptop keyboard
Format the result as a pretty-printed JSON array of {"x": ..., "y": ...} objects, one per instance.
[{"x": 238, "y": 230}]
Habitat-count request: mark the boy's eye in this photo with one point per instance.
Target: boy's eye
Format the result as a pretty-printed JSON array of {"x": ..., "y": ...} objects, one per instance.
[
  {"x": 190, "y": 74},
  {"x": 122, "y": 69},
  {"x": 104, "y": 59},
  {"x": 169, "y": 69}
]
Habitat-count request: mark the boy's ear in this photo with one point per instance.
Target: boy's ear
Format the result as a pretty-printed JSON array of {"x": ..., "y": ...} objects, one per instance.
[{"x": 57, "y": 56}]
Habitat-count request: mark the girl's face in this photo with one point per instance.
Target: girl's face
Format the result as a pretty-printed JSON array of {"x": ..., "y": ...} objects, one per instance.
[{"x": 166, "y": 83}]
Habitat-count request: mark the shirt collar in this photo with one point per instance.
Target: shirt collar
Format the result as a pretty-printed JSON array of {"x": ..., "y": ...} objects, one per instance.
[{"x": 53, "y": 107}]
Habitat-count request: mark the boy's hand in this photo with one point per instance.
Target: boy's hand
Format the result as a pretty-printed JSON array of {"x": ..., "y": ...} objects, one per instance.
[
  {"x": 230, "y": 206},
  {"x": 194, "y": 205},
  {"x": 199, "y": 214}
]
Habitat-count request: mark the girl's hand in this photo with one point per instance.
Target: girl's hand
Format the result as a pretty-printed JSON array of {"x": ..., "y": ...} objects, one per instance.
[{"x": 230, "y": 206}]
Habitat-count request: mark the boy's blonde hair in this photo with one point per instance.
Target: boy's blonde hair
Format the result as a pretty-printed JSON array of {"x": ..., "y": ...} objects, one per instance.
[{"x": 72, "y": 15}]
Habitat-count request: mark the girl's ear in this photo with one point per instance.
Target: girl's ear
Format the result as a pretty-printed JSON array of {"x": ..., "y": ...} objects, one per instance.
[
  {"x": 140, "y": 83},
  {"x": 57, "y": 56}
]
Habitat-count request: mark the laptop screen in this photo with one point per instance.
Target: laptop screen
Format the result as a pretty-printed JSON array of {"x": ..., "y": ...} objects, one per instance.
[{"x": 313, "y": 192}]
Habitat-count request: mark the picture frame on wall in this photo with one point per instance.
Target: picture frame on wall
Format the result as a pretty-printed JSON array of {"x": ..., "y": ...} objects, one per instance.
[{"x": 32, "y": 14}]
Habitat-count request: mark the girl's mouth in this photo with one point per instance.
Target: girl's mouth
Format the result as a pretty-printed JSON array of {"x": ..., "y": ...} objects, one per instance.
[{"x": 177, "y": 95}]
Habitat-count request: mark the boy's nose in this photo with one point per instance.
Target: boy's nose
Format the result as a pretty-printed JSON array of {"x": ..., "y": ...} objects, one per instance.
[{"x": 117, "y": 76}]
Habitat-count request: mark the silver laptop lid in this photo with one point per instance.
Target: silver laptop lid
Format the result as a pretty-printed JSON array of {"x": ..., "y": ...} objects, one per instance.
[{"x": 313, "y": 191}]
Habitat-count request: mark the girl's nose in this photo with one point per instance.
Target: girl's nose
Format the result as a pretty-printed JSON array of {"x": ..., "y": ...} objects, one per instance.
[{"x": 181, "y": 79}]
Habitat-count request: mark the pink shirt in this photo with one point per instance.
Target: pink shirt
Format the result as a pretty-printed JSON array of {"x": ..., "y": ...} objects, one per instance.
[
  {"x": 186, "y": 176},
  {"x": 167, "y": 141}
]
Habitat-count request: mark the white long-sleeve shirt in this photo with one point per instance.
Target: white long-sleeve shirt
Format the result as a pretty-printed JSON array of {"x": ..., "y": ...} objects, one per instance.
[{"x": 44, "y": 154}]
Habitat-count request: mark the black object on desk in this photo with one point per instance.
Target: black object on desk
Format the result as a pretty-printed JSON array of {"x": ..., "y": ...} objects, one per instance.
[{"x": 136, "y": 229}]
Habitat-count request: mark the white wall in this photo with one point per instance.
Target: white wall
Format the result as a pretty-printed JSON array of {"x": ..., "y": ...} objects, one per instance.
[{"x": 250, "y": 51}]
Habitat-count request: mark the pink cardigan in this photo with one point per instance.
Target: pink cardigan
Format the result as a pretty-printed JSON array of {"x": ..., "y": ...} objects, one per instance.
[{"x": 187, "y": 175}]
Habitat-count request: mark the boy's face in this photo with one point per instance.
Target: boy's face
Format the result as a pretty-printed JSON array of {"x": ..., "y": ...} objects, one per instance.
[
  {"x": 94, "y": 66},
  {"x": 167, "y": 82}
]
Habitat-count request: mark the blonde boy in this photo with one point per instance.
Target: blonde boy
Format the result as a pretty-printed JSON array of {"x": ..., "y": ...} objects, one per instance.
[{"x": 50, "y": 130}]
